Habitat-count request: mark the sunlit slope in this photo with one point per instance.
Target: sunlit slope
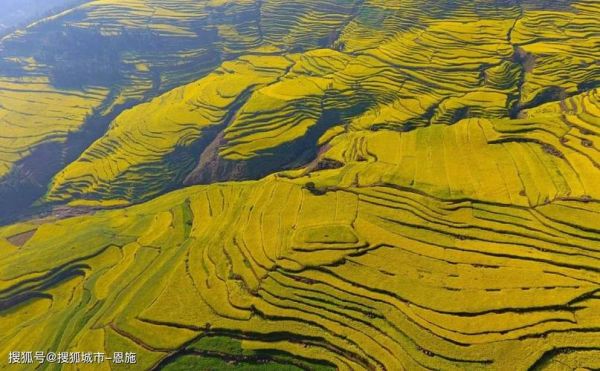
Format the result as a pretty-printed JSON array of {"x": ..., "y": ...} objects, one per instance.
[
  {"x": 258, "y": 104},
  {"x": 27, "y": 123},
  {"x": 466, "y": 59},
  {"x": 154, "y": 145},
  {"x": 383, "y": 277},
  {"x": 548, "y": 155},
  {"x": 78, "y": 69},
  {"x": 561, "y": 50},
  {"x": 486, "y": 258},
  {"x": 426, "y": 193},
  {"x": 397, "y": 75}
]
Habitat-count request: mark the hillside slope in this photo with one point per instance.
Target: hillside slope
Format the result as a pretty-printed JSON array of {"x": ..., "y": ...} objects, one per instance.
[
  {"x": 476, "y": 262},
  {"x": 58, "y": 93},
  {"x": 441, "y": 69},
  {"x": 15, "y": 13},
  {"x": 305, "y": 185}
]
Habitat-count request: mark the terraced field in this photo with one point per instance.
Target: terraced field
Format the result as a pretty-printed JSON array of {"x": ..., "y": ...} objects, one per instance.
[
  {"x": 383, "y": 277},
  {"x": 141, "y": 49},
  {"x": 401, "y": 78},
  {"x": 305, "y": 185}
]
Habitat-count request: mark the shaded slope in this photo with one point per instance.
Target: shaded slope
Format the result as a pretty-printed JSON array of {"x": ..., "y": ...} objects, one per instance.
[
  {"x": 18, "y": 12},
  {"x": 402, "y": 75},
  {"x": 141, "y": 49},
  {"x": 448, "y": 218},
  {"x": 484, "y": 261},
  {"x": 547, "y": 156},
  {"x": 153, "y": 146},
  {"x": 384, "y": 277}
]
